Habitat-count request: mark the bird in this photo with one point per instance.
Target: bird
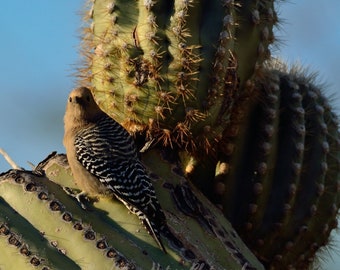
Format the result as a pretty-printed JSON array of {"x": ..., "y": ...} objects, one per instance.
[{"x": 103, "y": 158}]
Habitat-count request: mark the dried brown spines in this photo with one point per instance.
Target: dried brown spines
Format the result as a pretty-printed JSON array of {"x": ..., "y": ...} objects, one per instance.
[
  {"x": 285, "y": 165},
  {"x": 172, "y": 63}
]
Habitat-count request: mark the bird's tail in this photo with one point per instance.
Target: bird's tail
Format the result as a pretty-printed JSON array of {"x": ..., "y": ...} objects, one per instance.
[{"x": 155, "y": 233}]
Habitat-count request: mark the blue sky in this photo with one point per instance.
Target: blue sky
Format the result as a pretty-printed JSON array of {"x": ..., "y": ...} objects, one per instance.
[{"x": 39, "y": 53}]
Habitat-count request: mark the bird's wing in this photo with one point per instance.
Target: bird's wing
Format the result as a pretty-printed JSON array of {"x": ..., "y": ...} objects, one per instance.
[{"x": 115, "y": 163}]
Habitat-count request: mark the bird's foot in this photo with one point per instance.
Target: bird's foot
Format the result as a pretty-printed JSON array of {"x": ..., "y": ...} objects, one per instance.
[{"x": 81, "y": 197}]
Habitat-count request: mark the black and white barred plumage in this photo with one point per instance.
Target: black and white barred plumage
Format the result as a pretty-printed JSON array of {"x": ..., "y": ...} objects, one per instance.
[{"x": 107, "y": 151}]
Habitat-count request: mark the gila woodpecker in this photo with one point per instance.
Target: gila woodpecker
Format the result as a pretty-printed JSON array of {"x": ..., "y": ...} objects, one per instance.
[{"x": 102, "y": 156}]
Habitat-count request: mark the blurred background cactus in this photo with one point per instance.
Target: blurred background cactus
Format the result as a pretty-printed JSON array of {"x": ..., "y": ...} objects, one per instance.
[{"x": 259, "y": 140}]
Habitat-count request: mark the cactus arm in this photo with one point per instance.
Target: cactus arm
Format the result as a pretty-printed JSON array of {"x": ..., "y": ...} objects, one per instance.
[
  {"x": 18, "y": 236},
  {"x": 107, "y": 230},
  {"x": 206, "y": 212},
  {"x": 48, "y": 215}
]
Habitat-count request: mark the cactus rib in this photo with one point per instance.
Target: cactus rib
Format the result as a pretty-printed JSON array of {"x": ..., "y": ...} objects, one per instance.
[{"x": 288, "y": 200}]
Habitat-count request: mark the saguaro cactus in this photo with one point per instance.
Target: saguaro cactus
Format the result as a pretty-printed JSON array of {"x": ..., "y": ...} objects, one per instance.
[
  {"x": 194, "y": 82},
  {"x": 41, "y": 227},
  {"x": 174, "y": 68}
]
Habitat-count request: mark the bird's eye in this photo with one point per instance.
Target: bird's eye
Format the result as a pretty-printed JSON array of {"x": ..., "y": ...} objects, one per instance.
[
  {"x": 70, "y": 99},
  {"x": 88, "y": 98}
]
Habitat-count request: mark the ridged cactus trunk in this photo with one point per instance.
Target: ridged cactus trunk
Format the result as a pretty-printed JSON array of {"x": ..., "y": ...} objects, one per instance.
[
  {"x": 173, "y": 69},
  {"x": 228, "y": 134}
]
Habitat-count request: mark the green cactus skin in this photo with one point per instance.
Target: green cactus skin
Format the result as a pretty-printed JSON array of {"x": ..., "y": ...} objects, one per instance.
[
  {"x": 172, "y": 68},
  {"x": 62, "y": 235},
  {"x": 278, "y": 178},
  {"x": 70, "y": 236},
  {"x": 254, "y": 35},
  {"x": 18, "y": 236}
]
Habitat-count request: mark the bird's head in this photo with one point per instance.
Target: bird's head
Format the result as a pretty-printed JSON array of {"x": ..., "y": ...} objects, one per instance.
[{"x": 81, "y": 106}]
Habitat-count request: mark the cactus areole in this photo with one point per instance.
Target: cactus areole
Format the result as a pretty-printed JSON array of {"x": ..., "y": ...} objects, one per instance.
[{"x": 174, "y": 68}]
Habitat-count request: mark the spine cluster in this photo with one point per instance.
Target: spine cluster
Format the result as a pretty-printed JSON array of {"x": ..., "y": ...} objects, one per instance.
[{"x": 172, "y": 69}]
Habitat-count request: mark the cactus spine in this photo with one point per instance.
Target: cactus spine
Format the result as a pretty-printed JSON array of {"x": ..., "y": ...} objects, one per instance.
[{"x": 172, "y": 68}]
